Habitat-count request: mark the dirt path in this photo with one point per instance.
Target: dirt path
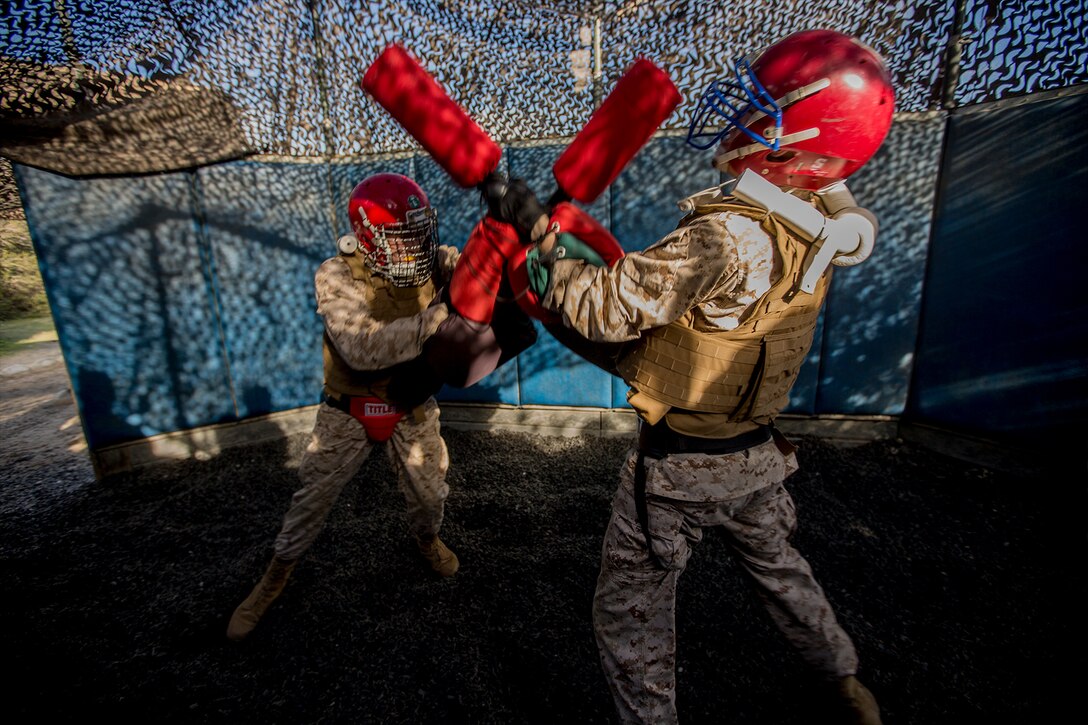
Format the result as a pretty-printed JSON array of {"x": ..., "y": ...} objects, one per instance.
[{"x": 39, "y": 423}]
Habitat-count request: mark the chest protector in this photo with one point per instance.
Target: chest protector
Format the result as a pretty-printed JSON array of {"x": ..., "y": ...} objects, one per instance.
[
  {"x": 385, "y": 303},
  {"x": 720, "y": 383}
]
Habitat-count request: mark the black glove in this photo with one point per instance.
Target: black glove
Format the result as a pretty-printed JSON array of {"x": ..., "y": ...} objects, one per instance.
[{"x": 513, "y": 202}]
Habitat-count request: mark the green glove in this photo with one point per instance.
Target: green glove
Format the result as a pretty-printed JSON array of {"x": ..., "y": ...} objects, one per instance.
[{"x": 567, "y": 246}]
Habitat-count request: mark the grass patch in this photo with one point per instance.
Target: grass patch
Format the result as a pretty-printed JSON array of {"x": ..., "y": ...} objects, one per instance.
[
  {"x": 22, "y": 293},
  {"x": 25, "y": 333}
]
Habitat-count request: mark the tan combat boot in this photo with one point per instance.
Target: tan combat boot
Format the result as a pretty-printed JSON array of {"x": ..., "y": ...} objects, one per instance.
[
  {"x": 250, "y": 611},
  {"x": 442, "y": 560},
  {"x": 856, "y": 703}
]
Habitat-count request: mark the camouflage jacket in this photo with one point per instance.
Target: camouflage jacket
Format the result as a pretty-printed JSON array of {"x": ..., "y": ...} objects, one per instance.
[
  {"x": 362, "y": 340},
  {"x": 717, "y": 266}
]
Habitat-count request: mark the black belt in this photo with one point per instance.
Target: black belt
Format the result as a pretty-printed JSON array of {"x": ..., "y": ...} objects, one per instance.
[
  {"x": 342, "y": 403},
  {"x": 658, "y": 441}
]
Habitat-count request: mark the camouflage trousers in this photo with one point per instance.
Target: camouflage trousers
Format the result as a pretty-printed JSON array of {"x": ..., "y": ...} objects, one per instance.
[
  {"x": 337, "y": 449},
  {"x": 634, "y": 607}
]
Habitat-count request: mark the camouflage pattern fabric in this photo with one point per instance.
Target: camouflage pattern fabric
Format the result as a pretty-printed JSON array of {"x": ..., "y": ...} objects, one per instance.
[
  {"x": 719, "y": 265},
  {"x": 362, "y": 339},
  {"x": 337, "y": 449},
  {"x": 634, "y": 607},
  {"x": 714, "y": 268},
  {"x": 339, "y": 444}
]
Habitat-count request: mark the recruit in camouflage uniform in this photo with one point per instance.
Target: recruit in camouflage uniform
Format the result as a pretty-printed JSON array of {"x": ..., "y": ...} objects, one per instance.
[
  {"x": 379, "y": 307},
  {"x": 716, "y": 267},
  {"x": 339, "y": 444},
  {"x": 709, "y": 327}
]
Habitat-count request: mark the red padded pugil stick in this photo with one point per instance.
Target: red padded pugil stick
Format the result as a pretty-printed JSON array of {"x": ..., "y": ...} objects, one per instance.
[
  {"x": 402, "y": 87},
  {"x": 642, "y": 99}
]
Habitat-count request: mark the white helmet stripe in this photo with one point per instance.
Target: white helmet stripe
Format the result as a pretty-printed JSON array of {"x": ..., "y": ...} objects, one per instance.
[
  {"x": 793, "y": 97},
  {"x": 720, "y": 162}
]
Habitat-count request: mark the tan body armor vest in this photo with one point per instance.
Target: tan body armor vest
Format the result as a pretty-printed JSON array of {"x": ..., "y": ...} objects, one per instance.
[
  {"x": 720, "y": 383},
  {"x": 385, "y": 303}
]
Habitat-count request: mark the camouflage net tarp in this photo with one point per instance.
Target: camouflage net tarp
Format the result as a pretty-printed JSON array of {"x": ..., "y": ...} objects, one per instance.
[{"x": 127, "y": 87}]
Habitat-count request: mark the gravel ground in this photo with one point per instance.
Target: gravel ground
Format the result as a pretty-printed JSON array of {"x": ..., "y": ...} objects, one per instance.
[{"x": 963, "y": 586}]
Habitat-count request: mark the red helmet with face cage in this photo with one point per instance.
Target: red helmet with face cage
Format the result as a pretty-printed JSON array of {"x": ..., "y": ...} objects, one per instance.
[
  {"x": 396, "y": 227},
  {"x": 805, "y": 112}
]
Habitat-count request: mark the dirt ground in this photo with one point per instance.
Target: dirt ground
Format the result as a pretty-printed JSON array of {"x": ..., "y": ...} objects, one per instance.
[
  {"x": 963, "y": 587},
  {"x": 39, "y": 424}
]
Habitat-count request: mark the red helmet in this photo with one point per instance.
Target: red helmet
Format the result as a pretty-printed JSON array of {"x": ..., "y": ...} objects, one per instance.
[
  {"x": 396, "y": 227},
  {"x": 805, "y": 112}
]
